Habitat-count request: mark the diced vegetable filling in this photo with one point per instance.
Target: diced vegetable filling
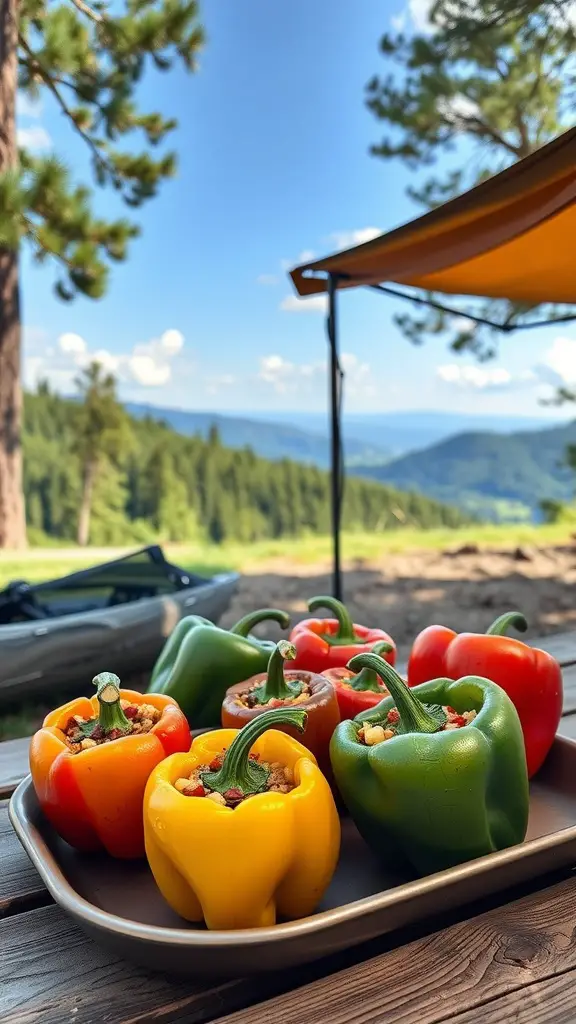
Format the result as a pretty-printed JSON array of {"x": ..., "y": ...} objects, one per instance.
[
  {"x": 280, "y": 780},
  {"x": 84, "y": 733},
  {"x": 251, "y": 699},
  {"x": 370, "y": 734}
]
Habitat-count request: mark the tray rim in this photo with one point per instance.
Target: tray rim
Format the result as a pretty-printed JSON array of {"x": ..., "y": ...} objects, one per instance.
[{"x": 92, "y": 916}]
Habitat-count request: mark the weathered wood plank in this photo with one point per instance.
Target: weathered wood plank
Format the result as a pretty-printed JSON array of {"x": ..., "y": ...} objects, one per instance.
[
  {"x": 561, "y": 645},
  {"x": 546, "y": 1002},
  {"x": 20, "y": 884},
  {"x": 53, "y": 973},
  {"x": 568, "y": 726},
  {"x": 13, "y": 764},
  {"x": 452, "y": 972}
]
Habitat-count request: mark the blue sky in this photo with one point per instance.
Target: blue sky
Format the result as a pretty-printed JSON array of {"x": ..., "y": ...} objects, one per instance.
[{"x": 273, "y": 146}]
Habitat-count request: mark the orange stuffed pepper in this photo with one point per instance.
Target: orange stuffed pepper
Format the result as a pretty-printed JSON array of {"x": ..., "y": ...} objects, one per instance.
[{"x": 91, "y": 760}]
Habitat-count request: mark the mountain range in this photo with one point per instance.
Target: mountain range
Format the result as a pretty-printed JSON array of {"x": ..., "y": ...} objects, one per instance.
[
  {"x": 271, "y": 440},
  {"x": 371, "y": 439},
  {"x": 497, "y": 476},
  {"x": 496, "y": 467}
]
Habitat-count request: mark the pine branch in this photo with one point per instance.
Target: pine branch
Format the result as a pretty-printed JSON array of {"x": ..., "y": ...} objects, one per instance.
[
  {"x": 33, "y": 234},
  {"x": 50, "y": 84},
  {"x": 85, "y": 9},
  {"x": 483, "y": 128}
]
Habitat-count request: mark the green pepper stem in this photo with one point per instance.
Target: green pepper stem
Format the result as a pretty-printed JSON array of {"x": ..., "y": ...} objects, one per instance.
[
  {"x": 247, "y": 622},
  {"x": 110, "y": 715},
  {"x": 340, "y": 612},
  {"x": 503, "y": 623},
  {"x": 275, "y": 684},
  {"x": 413, "y": 715},
  {"x": 238, "y": 771},
  {"x": 367, "y": 679}
]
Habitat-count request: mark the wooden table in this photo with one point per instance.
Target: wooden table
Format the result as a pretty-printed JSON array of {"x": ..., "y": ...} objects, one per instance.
[{"x": 513, "y": 958}]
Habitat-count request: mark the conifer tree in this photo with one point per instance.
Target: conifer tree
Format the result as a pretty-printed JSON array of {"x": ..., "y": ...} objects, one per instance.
[{"x": 89, "y": 57}]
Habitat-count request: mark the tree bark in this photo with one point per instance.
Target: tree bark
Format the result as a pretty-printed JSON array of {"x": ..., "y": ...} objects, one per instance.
[
  {"x": 12, "y": 517},
  {"x": 89, "y": 476}
]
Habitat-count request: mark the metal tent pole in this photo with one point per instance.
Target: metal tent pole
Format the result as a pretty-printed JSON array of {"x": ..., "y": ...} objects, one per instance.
[{"x": 335, "y": 434}]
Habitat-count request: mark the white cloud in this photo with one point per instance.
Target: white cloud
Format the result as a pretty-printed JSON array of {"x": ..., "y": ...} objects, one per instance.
[
  {"x": 34, "y": 138},
  {"x": 557, "y": 368},
  {"x": 398, "y": 21},
  {"x": 462, "y": 324},
  {"x": 457, "y": 110},
  {"x": 306, "y": 256},
  {"x": 558, "y": 365},
  {"x": 147, "y": 365},
  {"x": 72, "y": 344},
  {"x": 283, "y": 375},
  {"x": 312, "y": 304},
  {"x": 267, "y": 279},
  {"x": 419, "y": 11},
  {"x": 107, "y": 360},
  {"x": 172, "y": 342},
  {"x": 347, "y": 239},
  {"x": 147, "y": 372},
  {"x": 474, "y": 377}
]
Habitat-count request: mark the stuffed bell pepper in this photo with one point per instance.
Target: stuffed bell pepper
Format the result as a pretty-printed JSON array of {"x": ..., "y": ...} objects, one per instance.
[
  {"x": 242, "y": 828},
  {"x": 331, "y": 643},
  {"x": 295, "y": 689},
  {"x": 91, "y": 760},
  {"x": 356, "y": 692},
  {"x": 436, "y": 775},
  {"x": 199, "y": 662},
  {"x": 532, "y": 678}
]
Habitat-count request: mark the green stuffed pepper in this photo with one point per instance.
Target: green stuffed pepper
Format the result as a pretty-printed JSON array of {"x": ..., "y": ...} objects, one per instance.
[
  {"x": 434, "y": 775},
  {"x": 199, "y": 662}
]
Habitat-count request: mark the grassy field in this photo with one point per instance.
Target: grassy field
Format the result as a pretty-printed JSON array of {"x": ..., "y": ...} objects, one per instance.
[{"x": 43, "y": 563}]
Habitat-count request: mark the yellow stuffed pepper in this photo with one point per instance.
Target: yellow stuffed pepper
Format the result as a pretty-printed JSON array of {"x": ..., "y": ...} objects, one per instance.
[{"x": 243, "y": 827}]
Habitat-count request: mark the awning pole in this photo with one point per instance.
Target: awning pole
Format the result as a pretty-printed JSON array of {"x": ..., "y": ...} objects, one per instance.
[{"x": 336, "y": 448}]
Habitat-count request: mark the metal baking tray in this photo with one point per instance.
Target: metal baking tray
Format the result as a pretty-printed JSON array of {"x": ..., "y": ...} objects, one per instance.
[{"x": 118, "y": 904}]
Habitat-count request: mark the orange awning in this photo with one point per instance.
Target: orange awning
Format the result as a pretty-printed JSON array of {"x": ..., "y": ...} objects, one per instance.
[{"x": 510, "y": 237}]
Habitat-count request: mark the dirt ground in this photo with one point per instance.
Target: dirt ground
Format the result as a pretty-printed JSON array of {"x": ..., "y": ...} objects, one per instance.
[{"x": 465, "y": 589}]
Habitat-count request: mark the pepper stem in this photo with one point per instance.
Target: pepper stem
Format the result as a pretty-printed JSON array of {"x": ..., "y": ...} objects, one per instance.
[
  {"x": 275, "y": 684},
  {"x": 503, "y": 623},
  {"x": 238, "y": 771},
  {"x": 367, "y": 679},
  {"x": 247, "y": 622},
  {"x": 340, "y": 612},
  {"x": 110, "y": 715},
  {"x": 414, "y": 716}
]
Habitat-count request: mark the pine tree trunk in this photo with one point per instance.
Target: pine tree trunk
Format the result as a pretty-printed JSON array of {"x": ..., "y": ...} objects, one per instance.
[
  {"x": 12, "y": 518},
  {"x": 89, "y": 477}
]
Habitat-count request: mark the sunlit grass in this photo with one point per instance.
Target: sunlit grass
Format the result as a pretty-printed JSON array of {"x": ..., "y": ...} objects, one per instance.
[{"x": 206, "y": 559}]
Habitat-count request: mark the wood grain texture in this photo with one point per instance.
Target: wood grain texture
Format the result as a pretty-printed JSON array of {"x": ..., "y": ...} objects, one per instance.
[
  {"x": 561, "y": 645},
  {"x": 506, "y": 952},
  {"x": 13, "y": 764},
  {"x": 53, "y": 973},
  {"x": 546, "y": 1002},
  {"x": 20, "y": 885}
]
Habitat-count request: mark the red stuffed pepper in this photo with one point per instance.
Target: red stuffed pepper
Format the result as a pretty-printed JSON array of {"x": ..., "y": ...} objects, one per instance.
[
  {"x": 331, "y": 643},
  {"x": 360, "y": 691},
  {"x": 91, "y": 760},
  {"x": 531, "y": 677},
  {"x": 299, "y": 689}
]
